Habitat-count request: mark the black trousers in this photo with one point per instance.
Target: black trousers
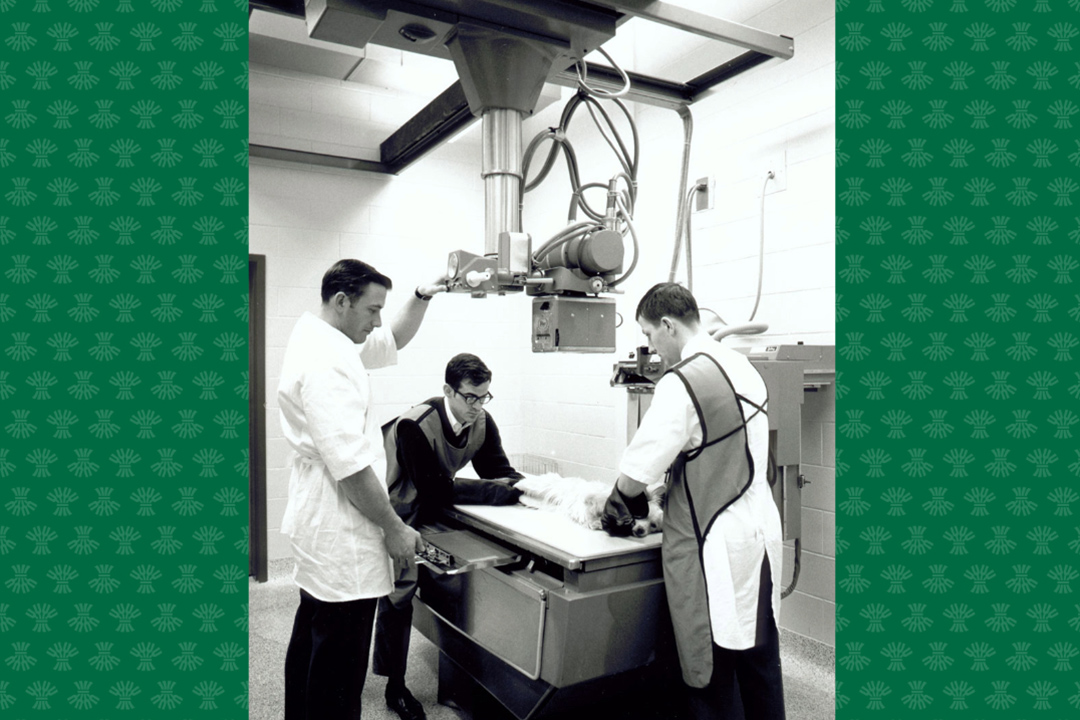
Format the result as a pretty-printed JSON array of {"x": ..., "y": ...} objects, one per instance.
[
  {"x": 327, "y": 659},
  {"x": 751, "y": 676},
  {"x": 393, "y": 627}
]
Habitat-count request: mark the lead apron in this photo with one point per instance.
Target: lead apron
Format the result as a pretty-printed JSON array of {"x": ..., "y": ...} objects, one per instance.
[
  {"x": 701, "y": 484},
  {"x": 403, "y": 494}
]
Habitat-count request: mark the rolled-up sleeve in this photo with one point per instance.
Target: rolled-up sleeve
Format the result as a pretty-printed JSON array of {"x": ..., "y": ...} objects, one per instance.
[
  {"x": 335, "y": 408},
  {"x": 379, "y": 350},
  {"x": 664, "y": 431}
]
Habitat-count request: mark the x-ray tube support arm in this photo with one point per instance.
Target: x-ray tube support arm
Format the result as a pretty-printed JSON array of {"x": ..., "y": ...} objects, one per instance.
[{"x": 502, "y": 175}]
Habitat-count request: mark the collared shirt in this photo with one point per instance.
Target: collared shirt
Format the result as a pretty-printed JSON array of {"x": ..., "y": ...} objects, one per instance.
[
  {"x": 456, "y": 426},
  {"x": 736, "y": 544},
  {"x": 326, "y": 417}
]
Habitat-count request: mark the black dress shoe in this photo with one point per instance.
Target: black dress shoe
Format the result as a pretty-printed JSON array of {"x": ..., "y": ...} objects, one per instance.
[{"x": 401, "y": 701}]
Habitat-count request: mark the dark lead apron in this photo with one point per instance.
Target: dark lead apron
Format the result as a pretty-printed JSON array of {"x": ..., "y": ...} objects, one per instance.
[
  {"x": 701, "y": 484},
  {"x": 403, "y": 494}
]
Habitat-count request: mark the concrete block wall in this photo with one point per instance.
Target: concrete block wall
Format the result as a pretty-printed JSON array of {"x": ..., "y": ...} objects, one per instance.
[
  {"x": 298, "y": 111},
  {"x": 811, "y": 609},
  {"x": 553, "y": 405}
]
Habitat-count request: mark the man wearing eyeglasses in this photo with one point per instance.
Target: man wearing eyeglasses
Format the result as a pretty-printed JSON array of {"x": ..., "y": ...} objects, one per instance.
[{"x": 425, "y": 448}]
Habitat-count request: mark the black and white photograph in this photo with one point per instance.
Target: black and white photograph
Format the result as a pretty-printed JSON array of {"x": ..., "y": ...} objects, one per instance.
[{"x": 542, "y": 356}]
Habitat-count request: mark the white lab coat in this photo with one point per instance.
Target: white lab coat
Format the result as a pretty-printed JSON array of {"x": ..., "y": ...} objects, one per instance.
[
  {"x": 327, "y": 419},
  {"x": 735, "y": 546}
]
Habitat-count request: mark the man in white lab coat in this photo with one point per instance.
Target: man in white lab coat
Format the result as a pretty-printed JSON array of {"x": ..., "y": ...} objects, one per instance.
[
  {"x": 345, "y": 535},
  {"x": 707, "y": 427}
]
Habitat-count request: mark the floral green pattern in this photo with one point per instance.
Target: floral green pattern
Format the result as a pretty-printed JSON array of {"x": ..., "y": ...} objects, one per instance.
[
  {"x": 123, "y": 378},
  {"x": 958, "y": 543}
]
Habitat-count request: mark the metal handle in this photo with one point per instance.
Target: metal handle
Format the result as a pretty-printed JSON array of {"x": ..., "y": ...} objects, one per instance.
[{"x": 468, "y": 566}]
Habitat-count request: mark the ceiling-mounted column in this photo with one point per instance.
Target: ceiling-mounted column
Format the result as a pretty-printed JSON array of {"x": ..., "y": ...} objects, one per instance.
[
  {"x": 503, "y": 76},
  {"x": 501, "y": 171},
  {"x": 500, "y": 70}
]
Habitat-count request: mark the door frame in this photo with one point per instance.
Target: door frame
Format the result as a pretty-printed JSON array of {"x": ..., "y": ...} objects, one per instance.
[{"x": 257, "y": 540}]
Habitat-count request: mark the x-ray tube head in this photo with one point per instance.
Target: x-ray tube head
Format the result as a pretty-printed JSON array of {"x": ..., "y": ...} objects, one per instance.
[{"x": 600, "y": 253}]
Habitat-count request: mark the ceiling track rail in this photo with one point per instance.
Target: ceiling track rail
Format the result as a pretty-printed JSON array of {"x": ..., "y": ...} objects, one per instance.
[
  {"x": 708, "y": 26},
  {"x": 436, "y": 122},
  {"x": 282, "y": 7},
  {"x": 449, "y": 113},
  {"x": 269, "y": 152}
]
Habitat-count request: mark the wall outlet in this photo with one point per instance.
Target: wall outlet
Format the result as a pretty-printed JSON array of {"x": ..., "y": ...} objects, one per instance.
[
  {"x": 705, "y": 199},
  {"x": 777, "y": 164}
]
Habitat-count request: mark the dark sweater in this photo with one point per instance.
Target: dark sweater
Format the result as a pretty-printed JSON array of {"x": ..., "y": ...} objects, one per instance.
[{"x": 434, "y": 484}]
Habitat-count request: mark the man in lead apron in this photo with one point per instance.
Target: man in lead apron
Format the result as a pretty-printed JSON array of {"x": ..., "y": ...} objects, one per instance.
[
  {"x": 707, "y": 427},
  {"x": 425, "y": 448},
  {"x": 343, "y": 531}
]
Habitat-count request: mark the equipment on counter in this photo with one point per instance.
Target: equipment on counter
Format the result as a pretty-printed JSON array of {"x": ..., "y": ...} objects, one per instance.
[{"x": 789, "y": 372}]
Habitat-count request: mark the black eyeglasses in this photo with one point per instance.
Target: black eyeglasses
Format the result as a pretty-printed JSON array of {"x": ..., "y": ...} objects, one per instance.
[{"x": 471, "y": 399}]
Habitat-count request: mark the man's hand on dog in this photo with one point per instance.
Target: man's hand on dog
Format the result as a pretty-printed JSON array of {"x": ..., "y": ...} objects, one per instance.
[{"x": 620, "y": 511}]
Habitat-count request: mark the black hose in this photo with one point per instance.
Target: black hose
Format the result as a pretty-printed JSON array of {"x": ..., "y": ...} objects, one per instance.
[
  {"x": 795, "y": 575},
  {"x": 637, "y": 253},
  {"x": 629, "y": 161}
]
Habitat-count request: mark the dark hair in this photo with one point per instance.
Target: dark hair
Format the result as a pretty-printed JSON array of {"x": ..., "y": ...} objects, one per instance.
[
  {"x": 466, "y": 367},
  {"x": 668, "y": 300},
  {"x": 352, "y": 278}
]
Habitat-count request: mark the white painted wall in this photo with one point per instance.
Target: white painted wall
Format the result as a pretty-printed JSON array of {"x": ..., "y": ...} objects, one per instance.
[{"x": 561, "y": 406}]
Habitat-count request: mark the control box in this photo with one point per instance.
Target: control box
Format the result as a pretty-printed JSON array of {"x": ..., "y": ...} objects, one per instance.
[{"x": 573, "y": 324}]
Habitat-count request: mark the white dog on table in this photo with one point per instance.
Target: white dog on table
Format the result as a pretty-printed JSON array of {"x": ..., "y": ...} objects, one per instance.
[{"x": 582, "y": 501}]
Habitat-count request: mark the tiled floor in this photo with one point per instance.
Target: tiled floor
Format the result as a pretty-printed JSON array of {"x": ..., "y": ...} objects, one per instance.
[{"x": 808, "y": 665}]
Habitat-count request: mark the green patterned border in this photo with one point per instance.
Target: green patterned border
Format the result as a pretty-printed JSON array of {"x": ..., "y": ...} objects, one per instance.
[
  {"x": 123, "y": 379},
  {"x": 958, "y": 544}
]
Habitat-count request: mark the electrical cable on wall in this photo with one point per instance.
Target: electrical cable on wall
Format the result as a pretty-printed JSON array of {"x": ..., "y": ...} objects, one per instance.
[
  {"x": 685, "y": 215},
  {"x": 686, "y": 212},
  {"x": 688, "y": 132},
  {"x": 761, "y": 247}
]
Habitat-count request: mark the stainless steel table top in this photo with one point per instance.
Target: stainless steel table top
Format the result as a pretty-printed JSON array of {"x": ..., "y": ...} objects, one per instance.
[{"x": 554, "y": 536}]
